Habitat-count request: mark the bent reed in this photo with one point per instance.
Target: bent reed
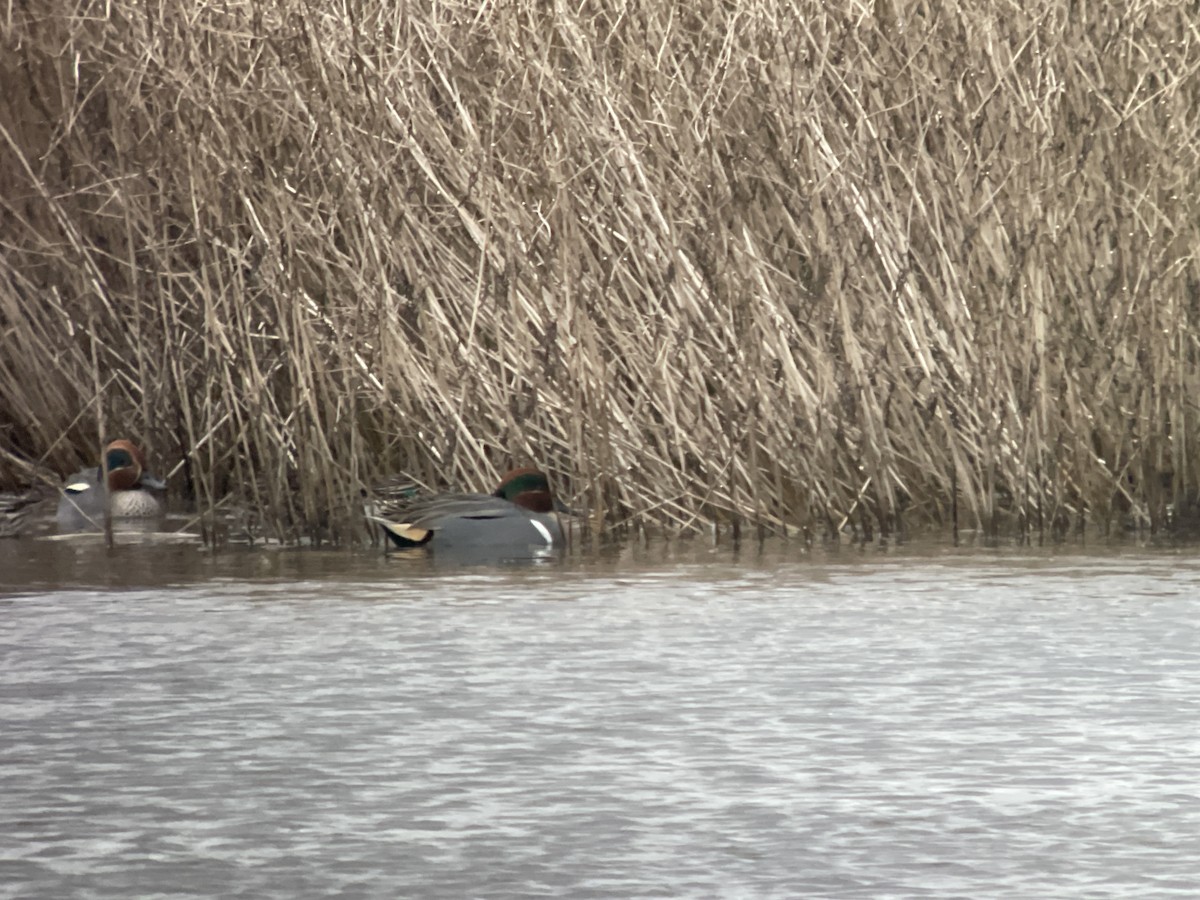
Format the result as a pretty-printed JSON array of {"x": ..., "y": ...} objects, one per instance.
[{"x": 772, "y": 265}]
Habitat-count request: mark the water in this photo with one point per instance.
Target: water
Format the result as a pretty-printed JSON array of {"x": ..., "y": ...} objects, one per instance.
[{"x": 672, "y": 722}]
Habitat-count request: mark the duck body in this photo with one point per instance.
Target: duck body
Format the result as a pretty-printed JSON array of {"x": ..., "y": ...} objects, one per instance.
[
  {"x": 134, "y": 493},
  {"x": 515, "y": 520}
]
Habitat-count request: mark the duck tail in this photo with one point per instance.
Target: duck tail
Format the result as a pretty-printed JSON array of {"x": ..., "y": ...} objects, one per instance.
[{"x": 403, "y": 534}]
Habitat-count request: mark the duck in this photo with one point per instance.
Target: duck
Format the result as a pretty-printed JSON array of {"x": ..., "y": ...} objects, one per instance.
[
  {"x": 18, "y": 509},
  {"x": 22, "y": 511},
  {"x": 134, "y": 493},
  {"x": 518, "y": 517}
]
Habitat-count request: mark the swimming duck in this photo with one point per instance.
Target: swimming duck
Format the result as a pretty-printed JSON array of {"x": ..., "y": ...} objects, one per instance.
[
  {"x": 17, "y": 509},
  {"x": 134, "y": 492},
  {"x": 517, "y": 517}
]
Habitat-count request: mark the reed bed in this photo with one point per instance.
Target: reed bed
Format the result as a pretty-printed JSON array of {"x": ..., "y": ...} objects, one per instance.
[{"x": 782, "y": 266}]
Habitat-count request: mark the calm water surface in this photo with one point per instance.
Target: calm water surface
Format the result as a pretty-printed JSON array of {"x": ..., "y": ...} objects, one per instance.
[{"x": 671, "y": 722}]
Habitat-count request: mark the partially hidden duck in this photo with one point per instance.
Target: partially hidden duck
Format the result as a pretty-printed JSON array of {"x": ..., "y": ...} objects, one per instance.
[
  {"x": 517, "y": 518},
  {"x": 135, "y": 493},
  {"x": 17, "y": 509}
]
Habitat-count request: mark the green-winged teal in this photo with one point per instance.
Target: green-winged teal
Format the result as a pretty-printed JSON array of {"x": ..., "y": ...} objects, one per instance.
[
  {"x": 134, "y": 492},
  {"x": 17, "y": 509},
  {"x": 519, "y": 517}
]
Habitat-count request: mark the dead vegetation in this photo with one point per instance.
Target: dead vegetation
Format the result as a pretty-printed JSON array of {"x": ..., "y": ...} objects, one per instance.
[{"x": 774, "y": 264}]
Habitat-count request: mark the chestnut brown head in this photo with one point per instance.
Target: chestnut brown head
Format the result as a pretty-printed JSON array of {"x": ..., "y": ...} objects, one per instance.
[{"x": 125, "y": 465}]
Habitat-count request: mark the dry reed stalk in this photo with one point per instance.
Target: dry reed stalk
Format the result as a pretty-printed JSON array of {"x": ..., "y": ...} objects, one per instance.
[{"x": 760, "y": 264}]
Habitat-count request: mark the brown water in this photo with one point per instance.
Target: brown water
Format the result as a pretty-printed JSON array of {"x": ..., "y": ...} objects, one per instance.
[{"x": 670, "y": 722}]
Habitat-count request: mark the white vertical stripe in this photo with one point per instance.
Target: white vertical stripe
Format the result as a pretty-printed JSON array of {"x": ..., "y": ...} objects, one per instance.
[{"x": 544, "y": 530}]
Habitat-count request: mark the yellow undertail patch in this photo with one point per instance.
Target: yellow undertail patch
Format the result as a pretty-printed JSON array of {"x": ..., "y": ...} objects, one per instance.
[{"x": 407, "y": 535}]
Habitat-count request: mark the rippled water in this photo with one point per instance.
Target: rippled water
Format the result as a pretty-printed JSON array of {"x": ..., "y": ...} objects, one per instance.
[{"x": 654, "y": 723}]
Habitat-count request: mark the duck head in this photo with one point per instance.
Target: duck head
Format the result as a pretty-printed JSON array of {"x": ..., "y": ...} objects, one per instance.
[
  {"x": 528, "y": 488},
  {"x": 127, "y": 468},
  {"x": 125, "y": 464}
]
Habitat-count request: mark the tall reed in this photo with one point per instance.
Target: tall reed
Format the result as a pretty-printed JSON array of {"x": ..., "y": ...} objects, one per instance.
[{"x": 781, "y": 265}]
